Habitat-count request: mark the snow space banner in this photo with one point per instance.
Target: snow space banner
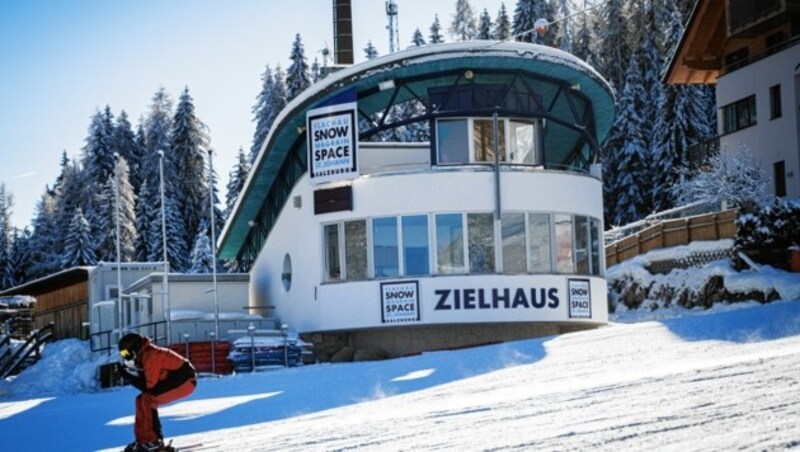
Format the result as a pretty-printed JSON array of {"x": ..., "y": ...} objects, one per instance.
[
  {"x": 332, "y": 143},
  {"x": 400, "y": 302}
]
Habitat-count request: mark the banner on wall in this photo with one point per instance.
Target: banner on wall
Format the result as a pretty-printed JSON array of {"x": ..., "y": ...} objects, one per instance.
[
  {"x": 400, "y": 302},
  {"x": 579, "y": 297},
  {"x": 332, "y": 133}
]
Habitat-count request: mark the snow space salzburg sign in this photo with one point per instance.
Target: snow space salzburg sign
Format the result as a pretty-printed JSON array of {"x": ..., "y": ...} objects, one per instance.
[
  {"x": 400, "y": 302},
  {"x": 332, "y": 143}
]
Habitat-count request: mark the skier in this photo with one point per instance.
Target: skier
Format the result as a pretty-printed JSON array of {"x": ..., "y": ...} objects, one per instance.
[{"x": 163, "y": 376}]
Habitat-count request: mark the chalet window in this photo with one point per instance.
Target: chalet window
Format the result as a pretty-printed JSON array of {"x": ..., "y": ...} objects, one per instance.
[
  {"x": 385, "y": 247},
  {"x": 779, "y": 171},
  {"x": 739, "y": 114},
  {"x": 775, "y": 110},
  {"x": 416, "y": 251}
]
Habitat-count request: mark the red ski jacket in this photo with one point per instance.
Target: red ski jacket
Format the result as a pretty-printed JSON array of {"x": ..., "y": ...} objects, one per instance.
[{"x": 163, "y": 368}]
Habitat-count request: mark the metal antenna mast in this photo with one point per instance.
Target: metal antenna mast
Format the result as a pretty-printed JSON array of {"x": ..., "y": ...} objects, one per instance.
[{"x": 394, "y": 29}]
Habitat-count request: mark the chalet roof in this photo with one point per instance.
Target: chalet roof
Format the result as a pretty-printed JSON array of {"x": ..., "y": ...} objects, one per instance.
[{"x": 699, "y": 56}]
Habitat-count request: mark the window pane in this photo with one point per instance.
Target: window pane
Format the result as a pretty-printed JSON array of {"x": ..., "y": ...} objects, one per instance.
[
  {"x": 480, "y": 230},
  {"x": 483, "y": 139},
  {"x": 540, "y": 249},
  {"x": 452, "y": 141},
  {"x": 355, "y": 249},
  {"x": 415, "y": 245},
  {"x": 582, "y": 244},
  {"x": 513, "y": 233},
  {"x": 522, "y": 149},
  {"x": 597, "y": 268},
  {"x": 332, "y": 266},
  {"x": 449, "y": 243},
  {"x": 564, "y": 248},
  {"x": 384, "y": 247}
]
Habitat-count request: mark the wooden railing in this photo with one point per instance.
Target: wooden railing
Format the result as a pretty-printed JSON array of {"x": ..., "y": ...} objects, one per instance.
[{"x": 680, "y": 231}]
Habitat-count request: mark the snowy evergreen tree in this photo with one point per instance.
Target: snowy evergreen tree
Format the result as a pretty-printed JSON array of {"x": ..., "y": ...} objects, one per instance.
[
  {"x": 463, "y": 26},
  {"x": 19, "y": 258},
  {"x": 370, "y": 51},
  {"x": 202, "y": 257},
  {"x": 189, "y": 147},
  {"x": 177, "y": 252},
  {"x": 98, "y": 153},
  {"x": 128, "y": 146},
  {"x": 435, "y": 36},
  {"x": 733, "y": 176},
  {"x": 632, "y": 182},
  {"x": 565, "y": 36},
  {"x": 157, "y": 125},
  {"x": 236, "y": 179},
  {"x": 582, "y": 43},
  {"x": 297, "y": 75},
  {"x": 485, "y": 27},
  {"x": 107, "y": 220},
  {"x": 525, "y": 15},
  {"x": 502, "y": 25},
  {"x": 46, "y": 243},
  {"x": 316, "y": 72},
  {"x": 79, "y": 245},
  {"x": 613, "y": 52},
  {"x": 6, "y": 238},
  {"x": 269, "y": 102},
  {"x": 417, "y": 40}
]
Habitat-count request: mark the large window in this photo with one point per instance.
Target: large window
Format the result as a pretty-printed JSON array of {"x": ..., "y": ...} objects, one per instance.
[
  {"x": 483, "y": 140},
  {"x": 384, "y": 247},
  {"x": 480, "y": 243},
  {"x": 564, "y": 244},
  {"x": 540, "y": 252},
  {"x": 333, "y": 269},
  {"x": 459, "y": 243},
  {"x": 355, "y": 246},
  {"x": 464, "y": 141},
  {"x": 449, "y": 243},
  {"x": 416, "y": 252},
  {"x": 513, "y": 236},
  {"x": 452, "y": 141},
  {"x": 739, "y": 114}
]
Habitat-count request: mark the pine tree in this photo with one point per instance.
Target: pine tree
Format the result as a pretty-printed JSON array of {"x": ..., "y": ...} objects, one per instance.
[
  {"x": 625, "y": 155},
  {"x": 463, "y": 26},
  {"x": 98, "y": 153},
  {"x": 202, "y": 258},
  {"x": 156, "y": 125},
  {"x": 417, "y": 40},
  {"x": 189, "y": 146},
  {"x": 19, "y": 258},
  {"x": 269, "y": 102},
  {"x": 6, "y": 237},
  {"x": 236, "y": 179},
  {"x": 502, "y": 25},
  {"x": 107, "y": 221},
  {"x": 45, "y": 243},
  {"x": 370, "y": 51},
  {"x": 297, "y": 76},
  {"x": 79, "y": 246},
  {"x": 128, "y": 146},
  {"x": 582, "y": 43},
  {"x": 564, "y": 38},
  {"x": 435, "y": 36},
  {"x": 316, "y": 72},
  {"x": 525, "y": 15},
  {"x": 485, "y": 27},
  {"x": 613, "y": 52}
]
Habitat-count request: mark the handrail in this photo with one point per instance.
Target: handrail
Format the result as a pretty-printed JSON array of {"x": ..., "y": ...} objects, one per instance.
[
  {"x": 31, "y": 345},
  {"x": 5, "y": 342},
  {"x": 107, "y": 335}
]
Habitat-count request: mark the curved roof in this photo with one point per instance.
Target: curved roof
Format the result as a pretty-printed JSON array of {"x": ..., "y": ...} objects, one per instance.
[{"x": 421, "y": 68}]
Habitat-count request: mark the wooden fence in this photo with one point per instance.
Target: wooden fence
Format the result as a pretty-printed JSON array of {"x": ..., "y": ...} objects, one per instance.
[{"x": 680, "y": 231}]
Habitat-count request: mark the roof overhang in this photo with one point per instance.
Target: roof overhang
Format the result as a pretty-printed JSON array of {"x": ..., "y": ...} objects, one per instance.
[{"x": 699, "y": 57}]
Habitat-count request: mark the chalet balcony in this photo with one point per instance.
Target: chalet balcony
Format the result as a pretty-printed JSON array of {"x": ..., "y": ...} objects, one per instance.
[{"x": 748, "y": 18}]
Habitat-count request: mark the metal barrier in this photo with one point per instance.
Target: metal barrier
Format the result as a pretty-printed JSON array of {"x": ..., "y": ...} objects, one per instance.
[{"x": 32, "y": 346}]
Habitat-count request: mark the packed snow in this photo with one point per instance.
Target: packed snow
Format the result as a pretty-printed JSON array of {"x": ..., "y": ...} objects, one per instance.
[{"x": 719, "y": 379}]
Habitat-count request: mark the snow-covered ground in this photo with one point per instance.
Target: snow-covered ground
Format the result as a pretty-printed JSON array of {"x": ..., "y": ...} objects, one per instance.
[{"x": 722, "y": 379}]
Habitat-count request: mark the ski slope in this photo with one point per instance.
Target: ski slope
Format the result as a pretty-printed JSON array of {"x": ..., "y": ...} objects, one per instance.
[{"x": 723, "y": 379}]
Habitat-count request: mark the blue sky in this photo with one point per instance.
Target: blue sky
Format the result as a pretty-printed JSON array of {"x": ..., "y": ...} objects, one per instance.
[{"x": 62, "y": 61}]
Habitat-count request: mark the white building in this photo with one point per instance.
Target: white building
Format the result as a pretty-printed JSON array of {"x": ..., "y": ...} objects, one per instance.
[
  {"x": 748, "y": 49},
  {"x": 358, "y": 240}
]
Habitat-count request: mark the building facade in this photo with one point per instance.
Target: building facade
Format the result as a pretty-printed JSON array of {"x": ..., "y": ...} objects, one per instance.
[
  {"x": 438, "y": 197},
  {"x": 748, "y": 49}
]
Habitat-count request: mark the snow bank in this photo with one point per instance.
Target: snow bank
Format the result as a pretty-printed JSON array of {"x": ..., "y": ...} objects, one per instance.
[{"x": 67, "y": 367}]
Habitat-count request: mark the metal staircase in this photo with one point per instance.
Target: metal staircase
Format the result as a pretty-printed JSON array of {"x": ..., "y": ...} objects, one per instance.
[{"x": 15, "y": 360}]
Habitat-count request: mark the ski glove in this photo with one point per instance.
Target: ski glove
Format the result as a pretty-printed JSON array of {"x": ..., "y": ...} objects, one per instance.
[{"x": 135, "y": 381}]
